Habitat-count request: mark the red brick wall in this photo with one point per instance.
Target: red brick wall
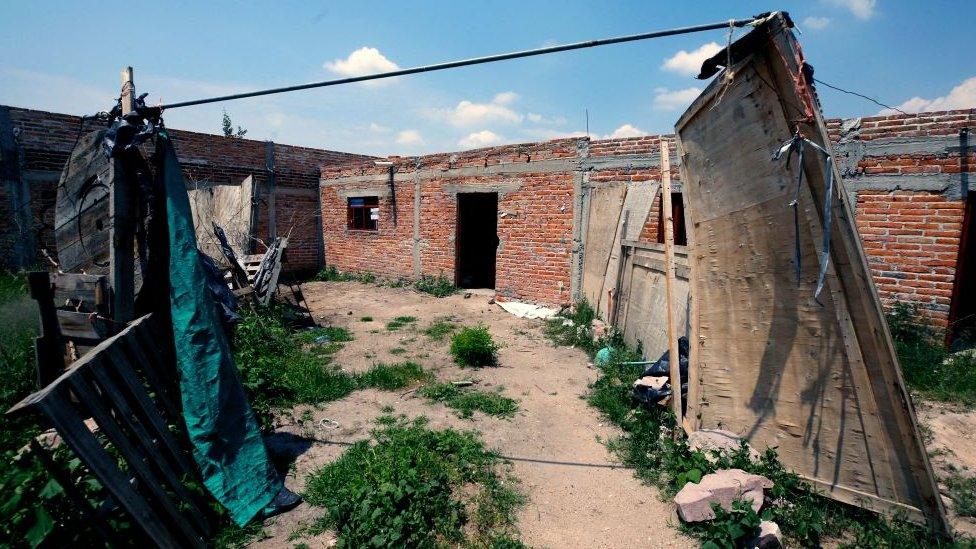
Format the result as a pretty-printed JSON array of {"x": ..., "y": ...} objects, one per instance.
[{"x": 47, "y": 139}]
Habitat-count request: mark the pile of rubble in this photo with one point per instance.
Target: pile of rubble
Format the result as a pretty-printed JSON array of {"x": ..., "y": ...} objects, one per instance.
[{"x": 698, "y": 501}]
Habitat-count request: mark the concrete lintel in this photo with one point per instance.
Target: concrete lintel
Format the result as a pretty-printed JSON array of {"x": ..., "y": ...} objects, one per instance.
[
  {"x": 920, "y": 182},
  {"x": 893, "y": 146},
  {"x": 632, "y": 161},
  {"x": 512, "y": 168},
  {"x": 501, "y": 188},
  {"x": 380, "y": 192}
]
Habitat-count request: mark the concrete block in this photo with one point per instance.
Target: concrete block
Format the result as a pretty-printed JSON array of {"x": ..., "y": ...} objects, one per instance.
[
  {"x": 717, "y": 441},
  {"x": 695, "y": 500}
]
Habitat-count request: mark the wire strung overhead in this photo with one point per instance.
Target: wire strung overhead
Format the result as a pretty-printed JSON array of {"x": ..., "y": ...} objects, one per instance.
[{"x": 738, "y": 23}]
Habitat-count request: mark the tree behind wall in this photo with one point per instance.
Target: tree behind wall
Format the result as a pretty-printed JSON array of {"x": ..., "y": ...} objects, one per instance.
[{"x": 228, "y": 127}]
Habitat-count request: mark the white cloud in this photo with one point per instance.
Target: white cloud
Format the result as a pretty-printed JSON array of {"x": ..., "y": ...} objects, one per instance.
[
  {"x": 409, "y": 137},
  {"x": 816, "y": 23},
  {"x": 537, "y": 118},
  {"x": 962, "y": 96},
  {"x": 671, "y": 100},
  {"x": 484, "y": 138},
  {"x": 626, "y": 131},
  {"x": 862, "y": 9},
  {"x": 545, "y": 134},
  {"x": 468, "y": 113},
  {"x": 505, "y": 98},
  {"x": 378, "y": 128},
  {"x": 689, "y": 62},
  {"x": 365, "y": 60}
]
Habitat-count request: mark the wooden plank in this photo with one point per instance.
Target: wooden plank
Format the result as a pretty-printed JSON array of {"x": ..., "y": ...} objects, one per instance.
[
  {"x": 817, "y": 380},
  {"x": 72, "y": 429},
  {"x": 669, "y": 283},
  {"x": 82, "y": 326},
  {"x": 604, "y": 218},
  {"x": 49, "y": 346},
  {"x": 84, "y": 290}
]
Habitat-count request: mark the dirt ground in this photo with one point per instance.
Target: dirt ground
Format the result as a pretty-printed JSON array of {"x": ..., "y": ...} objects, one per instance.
[
  {"x": 577, "y": 495},
  {"x": 951, "y": 442}
]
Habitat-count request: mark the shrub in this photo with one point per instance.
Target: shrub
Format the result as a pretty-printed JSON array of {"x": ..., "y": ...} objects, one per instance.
[
  {"x": 332, "y": 274},
  {"x": 473, "y": 346},
  {"x": 574, "y": 328},
  {"x": 414, "y": 487},
  {"x": 437, "y": 286}
]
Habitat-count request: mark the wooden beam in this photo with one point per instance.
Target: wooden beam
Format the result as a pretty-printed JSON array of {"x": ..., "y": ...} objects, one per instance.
[
  {"x": 128, "y": 91},
  {"x": 674, "y": 357}
]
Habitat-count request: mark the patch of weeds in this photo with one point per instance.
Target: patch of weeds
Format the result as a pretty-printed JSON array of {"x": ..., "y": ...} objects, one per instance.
[
  {"x": 397, "y": 351},
  {"x": 466, "y": 401},
  {"x": 573, "y": 328},
  {"x": 805, "y": 517},
  {"x": 332, "y": 274},
  {"x": 474, "y": 347},
  {"x": 233, "y": 536},
  {"x": 437, "y": 286},
  {"x": 391, "y": 377},
  {"x": 411, "y": 486},
  {"x": 366, "y": 319},
  {"x": 336, "y": 334},
  {"x": 396, "y": 283},
  {"x": 400, "y": 322},
  {"x": 962, "y": 491},
  {"x": 927, "y": 366},
  {"x": 277, "y": 371},
  {"x": 440, "y": 328}
]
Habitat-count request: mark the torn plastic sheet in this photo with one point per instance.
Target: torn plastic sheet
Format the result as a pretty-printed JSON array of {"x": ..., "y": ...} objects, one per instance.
[{"x": 527, "y": 310}]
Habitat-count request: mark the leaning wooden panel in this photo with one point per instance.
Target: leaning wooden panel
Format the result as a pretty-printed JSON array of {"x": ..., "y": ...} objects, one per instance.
[{"x": 818, "y": 379}]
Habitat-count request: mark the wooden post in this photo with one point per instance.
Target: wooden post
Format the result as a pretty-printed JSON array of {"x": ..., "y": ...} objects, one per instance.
[
  {"x": 122, "y": 206},
  {"x": 675, "y": 359},
  {"x": 128, "y": 91}
]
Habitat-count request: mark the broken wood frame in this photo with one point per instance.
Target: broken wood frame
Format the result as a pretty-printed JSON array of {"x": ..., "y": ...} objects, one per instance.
[
  {"x": 127, "y": 385},
  {"x": 818, "y": 380}
]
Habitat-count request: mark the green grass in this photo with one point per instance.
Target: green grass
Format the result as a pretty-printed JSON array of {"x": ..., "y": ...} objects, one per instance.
[
  {"x": 411, "y": 486},
  {"x": 474, "y": 347},
  {"x": 332, "y": 274},
  {"x": 398, "y": 351},
  {"x": 805, "y": 517},
  {"x": 927, "y": 366},
  {"x": 962, "y": 491},
  {"x": 391, "y": 377},
  {"x": 440, "y": 328},
  {"x": 466, "y": 401},
  {"x": 437, "y": 286},
  {"x": 335, "y": 334},
  {"x": 574, "y": 328},
  {"x": 400, "y": 322},
  {"x": 366, "y": 319},
  {"x": 277, "y": 371}
]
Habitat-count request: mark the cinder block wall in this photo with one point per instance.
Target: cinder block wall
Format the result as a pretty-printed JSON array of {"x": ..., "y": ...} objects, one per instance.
[{"x": 44, "y": 141}]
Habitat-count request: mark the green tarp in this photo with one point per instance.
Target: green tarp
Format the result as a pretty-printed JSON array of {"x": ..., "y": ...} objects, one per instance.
[{"x": 225, "y": 435}]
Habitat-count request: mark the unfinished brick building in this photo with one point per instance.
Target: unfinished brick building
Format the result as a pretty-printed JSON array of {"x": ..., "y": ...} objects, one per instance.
[{"x": 440, "y": 214}]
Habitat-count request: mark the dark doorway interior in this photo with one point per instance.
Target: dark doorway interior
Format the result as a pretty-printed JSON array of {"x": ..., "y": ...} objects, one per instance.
[
  {"x": 477, "y": 240},
  {"x": 962, "y": 314}
]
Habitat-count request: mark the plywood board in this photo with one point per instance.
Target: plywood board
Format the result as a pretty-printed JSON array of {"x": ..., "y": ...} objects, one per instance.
[
  {"x": 601, "y": 232},
  {"x": 818, "y": 380},
  {"x": 643, "y": 299},
  {"x": 229, "y": 206}
]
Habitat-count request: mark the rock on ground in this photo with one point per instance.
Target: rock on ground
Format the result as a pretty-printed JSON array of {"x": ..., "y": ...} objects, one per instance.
[
  {"x": 695, "y": 500},
  {"x": 712, "y": 441}
]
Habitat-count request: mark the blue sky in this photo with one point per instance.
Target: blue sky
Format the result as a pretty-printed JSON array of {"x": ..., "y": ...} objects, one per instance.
[{"x": 66, "y": 57}]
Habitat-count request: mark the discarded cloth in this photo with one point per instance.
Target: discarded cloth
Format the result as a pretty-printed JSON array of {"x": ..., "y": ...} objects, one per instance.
[
  {"x": 227, "y": 443},
  {"x": 527, "y": 310}
]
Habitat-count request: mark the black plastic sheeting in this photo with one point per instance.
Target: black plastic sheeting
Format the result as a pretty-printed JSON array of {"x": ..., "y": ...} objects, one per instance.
[{"x": 662, "y": 368}]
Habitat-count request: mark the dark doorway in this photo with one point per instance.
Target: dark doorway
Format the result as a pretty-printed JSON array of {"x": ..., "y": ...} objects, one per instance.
[
  {"x": 962, "y": 313},
  {"x": 477, "y": 240}
]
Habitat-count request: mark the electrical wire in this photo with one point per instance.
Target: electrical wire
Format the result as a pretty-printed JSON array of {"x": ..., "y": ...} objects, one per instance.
[
  {"x": 871, "y": 99},
  {"x": 474, "y": 61}
]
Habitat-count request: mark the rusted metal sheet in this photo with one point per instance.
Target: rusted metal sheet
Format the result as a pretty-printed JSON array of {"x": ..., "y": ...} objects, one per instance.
[{"x": 816, "y": 378}]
